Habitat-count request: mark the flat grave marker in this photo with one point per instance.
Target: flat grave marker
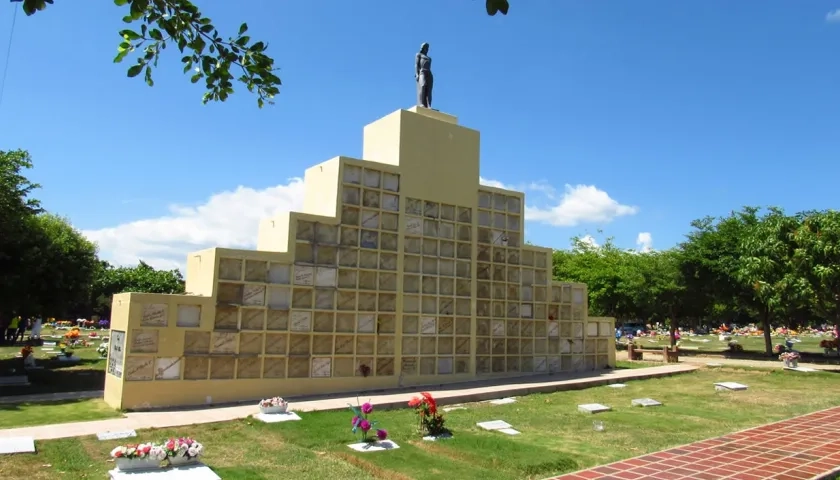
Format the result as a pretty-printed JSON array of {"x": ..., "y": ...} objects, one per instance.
[
  {"x": 508, "y": 431},
  {"x": 17, "y": 445},
  {"x": 593, "y": 408},
  {"x": 801, "y": 369},
  {"x": 494, "y": 425},
  {"x": 726, "y": 386},
  {"x": 192, "y": 472},
  {"x": 502, "y": 401},
  {"x": 277, "y": 417},
  {"x": 435, "y": 438},
  {"x": 645, "y": 402},
  {"x": 616, "y": 385},
  {"x": 116, "y": 435},
  {"x": 374, "y": 447}
]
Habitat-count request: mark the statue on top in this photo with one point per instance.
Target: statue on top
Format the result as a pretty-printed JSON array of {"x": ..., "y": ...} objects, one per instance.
[{"x": 423, "y": 76}]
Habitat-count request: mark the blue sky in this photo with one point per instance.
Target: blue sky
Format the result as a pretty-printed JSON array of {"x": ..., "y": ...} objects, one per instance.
[{"x": 625, "y": 116}]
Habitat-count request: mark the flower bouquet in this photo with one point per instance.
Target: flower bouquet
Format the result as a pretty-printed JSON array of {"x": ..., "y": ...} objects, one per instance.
[
  {"x": 273, "y": 405},
  {"x": 791, "y": 359},
  {"x": 144, "y": 456},
  {"x": 430, "y": 422},
  {"x": 102, "y": 349},
  {"x": 362, "y": 423},
  {"x": 182, "y": 451}
]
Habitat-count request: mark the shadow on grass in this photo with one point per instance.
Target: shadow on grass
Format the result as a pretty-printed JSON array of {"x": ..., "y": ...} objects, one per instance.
[
  {"x": 54, "y": 376},
  {"x": 20, "y": 407},
  {"x": 239, "y": 473}
]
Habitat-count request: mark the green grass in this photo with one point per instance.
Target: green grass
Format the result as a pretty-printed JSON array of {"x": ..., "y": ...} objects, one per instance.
[
  {"x": 555, "y": 437},
  {"x": 754, "y": 344},
  {"x": 87, "y": 374},
  {"x": 13, "y": 415}
]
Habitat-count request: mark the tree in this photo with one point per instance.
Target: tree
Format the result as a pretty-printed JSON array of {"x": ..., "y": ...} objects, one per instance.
[
  {"x": 207, "y": 55},
  {"x": 110, "y": 280},
  {"x": 664, "y": 295},
  {"x": 816, "y": 259}
]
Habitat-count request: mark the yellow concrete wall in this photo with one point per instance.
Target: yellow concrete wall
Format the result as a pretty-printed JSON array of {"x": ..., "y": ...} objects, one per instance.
[{"x": 402, "y": 270}]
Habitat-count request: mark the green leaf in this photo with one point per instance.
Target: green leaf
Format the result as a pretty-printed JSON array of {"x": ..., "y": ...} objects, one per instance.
[
  {"x": 130, "y": 35},
  {"x": 120, "y": 56},
  {"x": 148, "y": 78},
  {"x": 206, "y": 28},
  {"x": 243, "y": 28},
  {"x": 195, "y": 78},
  {"x": 135, "y": 70},
  {"x": 120, "y": 3},
  {"x": 242, "y": 41},
  {"x": 155, "y": 34}
]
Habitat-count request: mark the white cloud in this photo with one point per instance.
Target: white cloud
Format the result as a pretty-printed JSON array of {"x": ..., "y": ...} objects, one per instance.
[
  {"x": 644, "y": 240},
  {"x": 578, "y": 204},
  {"x": 590, "y": 240},
  {"x": 228, "y": 219},
  {"x": 833, "y": 17}
]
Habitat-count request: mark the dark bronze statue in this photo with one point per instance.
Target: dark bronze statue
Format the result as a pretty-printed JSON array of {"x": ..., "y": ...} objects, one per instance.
[{"x": 423, "y": 76}]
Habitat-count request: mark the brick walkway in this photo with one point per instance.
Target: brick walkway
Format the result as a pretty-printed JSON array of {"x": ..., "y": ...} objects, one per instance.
[{"x": 801, "y": 448}]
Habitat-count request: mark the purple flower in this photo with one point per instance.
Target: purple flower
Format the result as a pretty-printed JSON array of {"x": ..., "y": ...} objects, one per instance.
[
  {"x": 364, "y": 425},
  {"x": 381, "y": 434},
  {"x": 367, "y": 408},
  {"x": 355, "y": 421}
]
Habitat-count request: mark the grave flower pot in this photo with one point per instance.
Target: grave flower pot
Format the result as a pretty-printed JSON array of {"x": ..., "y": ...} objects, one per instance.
[
  {"x": 274, "y": 409},
  {"x": 128, "y": 464},
  {"x": 182, "y": 460}
]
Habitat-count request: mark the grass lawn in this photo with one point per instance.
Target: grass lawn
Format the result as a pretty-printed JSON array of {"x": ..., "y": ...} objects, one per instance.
[
  {"x": 13, "y": 415},
  {"x": 751, "y": 344},
  {"x": 87, "y": 374},
  {"x": 555, "y": 437}
]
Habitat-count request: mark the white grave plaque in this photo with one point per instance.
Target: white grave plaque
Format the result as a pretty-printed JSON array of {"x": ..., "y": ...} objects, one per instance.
[
  {"x": 645, "y": 402},
  {"x": 592, "y": 329},
  {"x": 494, "y": 425},
  {"x": 154, "y": 315},
  {"x": 188, "y": 316},
  {"x": 435, "y": 438},
  {"x": 321, "y": 367},
  {"x": 304, "y": 275},
  {"x": 508, "y": 431},
  {"x": 593, "y": 408},
  {"x": 527, "y": 311},
  {"x": 374, "y": 447},
  {"x": 116, "y": 435},
  {"x": 301, "y": 321},
  {"x": 326, "y": 277},
  {"x": 279, "y": 273},
  {"x": 428, "y": 326},
  {"x": 17, "y": 445},
  {"x": 553, "y": 329},
  {"x": 367, "y": 323},
  {"x": 277, "y": 417},
  {"x": 502, "y": 401},
  {"x": 414, "y": 226},
  {"x": 540, "y": 364},
  {"x": 616, "y": 385},
  {"x": 730, "y": 386},
  {"x": 801, "y": 369},
  {"x": 253, "y": 295},
  {"x": 198, "y": 471},
  {"x": 498, "y": 327},
  {"x": 168, "y": 368}
]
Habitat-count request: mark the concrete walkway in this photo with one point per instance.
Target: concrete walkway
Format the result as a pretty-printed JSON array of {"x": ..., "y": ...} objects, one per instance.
[
  {"x": 801, "y": 448},
  {"x": 446, "y": 395}
]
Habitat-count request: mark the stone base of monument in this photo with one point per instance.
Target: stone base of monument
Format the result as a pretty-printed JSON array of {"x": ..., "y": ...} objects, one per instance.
[
  {"x": 374, "y": 446},
  {"x": 277, "y": 417},
  {"x": 727, "y": 386},
  {"x": 197, "y": 471}
]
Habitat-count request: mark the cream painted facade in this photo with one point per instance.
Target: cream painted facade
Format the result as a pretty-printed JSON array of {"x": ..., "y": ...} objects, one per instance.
[{"x": 401, "y": 270}]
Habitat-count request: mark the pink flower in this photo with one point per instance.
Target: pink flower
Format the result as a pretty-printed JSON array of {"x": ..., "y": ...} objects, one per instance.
[
  {"x": 381, "y": 434},
  {"x": 355, "y": 421},
  {"x": 367, "y": 408},
  {"x": 365, "y": 425}
]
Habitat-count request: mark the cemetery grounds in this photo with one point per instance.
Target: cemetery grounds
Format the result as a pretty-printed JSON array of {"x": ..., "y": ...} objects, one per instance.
[{"x": 555, "y": 438}]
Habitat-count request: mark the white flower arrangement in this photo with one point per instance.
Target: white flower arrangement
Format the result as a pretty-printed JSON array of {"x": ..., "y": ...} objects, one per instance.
[
  {"x": 102, "y": 349},
  {"x": 273, "y": 402},
  {"x": 183, "y": 447},
  {"x": 141, "y": 451}
]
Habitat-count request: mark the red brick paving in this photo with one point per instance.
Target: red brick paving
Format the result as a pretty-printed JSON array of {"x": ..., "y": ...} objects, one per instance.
[{"x": 801, "y": 448}]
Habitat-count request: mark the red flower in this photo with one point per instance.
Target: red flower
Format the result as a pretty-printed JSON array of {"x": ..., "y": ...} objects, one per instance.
[
  {"x": 430, "y": 401},
  {"x": 414, "y": 402}
]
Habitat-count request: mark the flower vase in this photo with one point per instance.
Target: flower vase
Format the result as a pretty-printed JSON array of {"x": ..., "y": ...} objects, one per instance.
[
  {"x": 274, "y": 410},
  {"x": 794, "y": 364},
  {"x": 182, "y": 460},
  {"x": 787, "y": 363},
  {"x": 129, "y": 464}
]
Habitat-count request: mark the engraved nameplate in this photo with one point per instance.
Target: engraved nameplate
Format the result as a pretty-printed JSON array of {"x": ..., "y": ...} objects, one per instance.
[{"x": 154, "y": 315}]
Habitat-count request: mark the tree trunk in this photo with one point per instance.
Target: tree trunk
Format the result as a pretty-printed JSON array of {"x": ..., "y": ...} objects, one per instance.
[
  {"x": 674, "y": 326},
  {"x": 765, "y": 325}
]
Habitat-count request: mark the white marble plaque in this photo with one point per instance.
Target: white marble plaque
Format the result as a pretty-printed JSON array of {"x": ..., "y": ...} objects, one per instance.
[
  {"x": 498, "y": 327},
  {"x": 198, "y": 471},
  {"x": 414, "y": 226},
  {"x": 494, "y": 425},
  {"x": 168, "y": 368},
  {"x": 444, "y": 366},
  {"x": 116, "y": 435},
  {"x": 645, "y": 402},
  {"x": 188, "y": 316},
  {"x": 352, "y": 174},
  {"x": 390, "y": 202},
  {"x": 367, "y": 323},
  {"x": 326, "y": 277},
  {"x": 144, "y": 341},
  {"x": 553, "y": 329},
  {"x": 391, "y": 181},
  {"x": 593, "y": 408},
  {"x": 435, "y": 438},
  {"x": 577, "y": 296},
  {"x": 605, "y": 329},
  {"x": 730, "y": 386},
  {"x": 616, "y": 385},
  {"x": 253, "y": 295},
  {"x": 279, "y": 298},
  {"x": 374, "y": 447},
  {"x": 277, "y": 417},
  {"x": 428, "y": 326},
  {"x": 508, "y": 431},
  {"x": 154, "y": 315},
  {"x": 592, "y": 329},
  {"x": 11, "y": 445},
  {"x": 301, "y": 321},
  {"x": 224, "y": 342},
  {"x": 540, "y": 364},
  {"x": 502, "y": 401},
  {"x": 321, "y": 367},
  {"x": 526, "y": 311},
  {"x": 279, "y": 273},
  {"x": 115, "y": 353},
  {"x": 304, "y": 275},
  {"x": 577, "y": 330},
  {"x": 801, "y": 369}
]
